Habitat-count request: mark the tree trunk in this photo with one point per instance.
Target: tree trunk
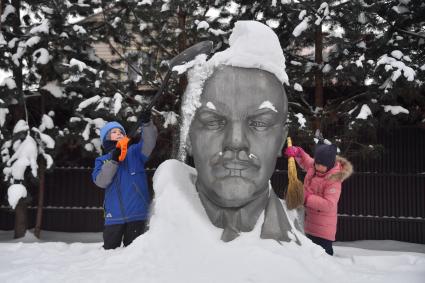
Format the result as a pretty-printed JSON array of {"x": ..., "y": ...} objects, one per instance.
[
  {"x": 318, "y": 76},
  {"x": 21, "y": 221},
  {"x": 41, "y": 183},
  {"x": 182, "y": 45},
  {"x": 1, "y": 10},
  {"x": 17, "y": 70}
]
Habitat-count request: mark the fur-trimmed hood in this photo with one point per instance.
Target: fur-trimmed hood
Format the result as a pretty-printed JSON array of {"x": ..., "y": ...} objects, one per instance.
[{"x": 342, "y": 170}]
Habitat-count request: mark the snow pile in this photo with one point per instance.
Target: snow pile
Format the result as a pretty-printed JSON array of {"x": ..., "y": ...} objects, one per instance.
[
  {"x": 32, "y": 41},
  {"x": 364, "y": 112},
  {"x": 15, "y": 193},
  {"x": 3, "y": 113},
  {"x": 88, "y": 102},
  {"x": 253, "y": 45},
  {"x": 197, "y": 76},
  {"x": 9, "y": 82},
  {"x": 145, "y": 2},
  {"x": 20, "y": 126},
  {"x": 181, "y": 69},
  {"x": 2, "y": 40},
  {"x": 9, "y": 9},
  {"x": 46, "y": 140},
  {"x": 54, "y": 89},
  {"x": 79, "y": 29},
  {"x": 183, "y": 246},
  {"x": 301, "y": 120},
  {"x": 43, "y": 27},
  {"x": 391, "y": 63},
  {"x": 327, "y": 68},
  {"x": 202, "y": 25},
  {"x": 117, "y": 103},
  {"x": 81, "y": 65},
  {"x": 301, "y": 27},
  {"x": 24, "y": 156},
  {"x": 41, "y": 56},
  {"x": 98, "y": 123},
  {"x": 395, "y": 109},
  {"x": 298, "y": 87},
  {"x": 170, "y": 118}
]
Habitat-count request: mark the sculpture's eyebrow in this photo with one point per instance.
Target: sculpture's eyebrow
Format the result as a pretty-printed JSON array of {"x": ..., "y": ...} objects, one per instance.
[
  {"x": 210, "y": 105},
  {"x": 216, "y": 106},
  {"x": 263, "y": 112},
  {"x": 205, "y": 111},
  {"x": 267, "y": 105}
]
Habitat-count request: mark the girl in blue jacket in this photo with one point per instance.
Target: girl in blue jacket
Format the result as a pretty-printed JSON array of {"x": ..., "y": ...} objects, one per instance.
[{"x": 126, "y": 203}]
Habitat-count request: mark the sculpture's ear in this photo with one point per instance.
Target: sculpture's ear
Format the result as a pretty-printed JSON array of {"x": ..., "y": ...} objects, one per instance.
[{"x": 284, "y": 136}]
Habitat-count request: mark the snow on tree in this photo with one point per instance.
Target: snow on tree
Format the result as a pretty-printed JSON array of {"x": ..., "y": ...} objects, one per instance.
[
  {"x": 37, "y": 43},
  {"x": 343, "y": 54}
]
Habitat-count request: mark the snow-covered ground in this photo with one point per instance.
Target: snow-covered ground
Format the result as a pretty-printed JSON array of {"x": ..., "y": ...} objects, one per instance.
[
  {"x": 183, "y": 246},
  {"x": 81, "y": 259},
  {"x": 365, "y": 247}
]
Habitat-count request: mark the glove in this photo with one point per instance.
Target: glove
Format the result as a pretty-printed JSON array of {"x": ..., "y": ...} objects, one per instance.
[
  {"x": 123, "y": 145},
  {"x": 145, "y": 117},
  {"x": 292, "y": 151},
  {"x": 116, "y": 153},
  {"x": 132, "y": 141},
  {"x": 306, "y": 196}
]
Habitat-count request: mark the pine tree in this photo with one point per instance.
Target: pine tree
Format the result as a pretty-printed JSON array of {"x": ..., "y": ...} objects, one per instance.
[
  {"x": 39, "y": 48},
  {"x": 345, "y": 80},
  {"x": 145, "y": 35}
]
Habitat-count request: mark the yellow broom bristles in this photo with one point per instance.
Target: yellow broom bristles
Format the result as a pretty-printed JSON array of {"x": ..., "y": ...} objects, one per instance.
[{"x": 295, "y": 191}]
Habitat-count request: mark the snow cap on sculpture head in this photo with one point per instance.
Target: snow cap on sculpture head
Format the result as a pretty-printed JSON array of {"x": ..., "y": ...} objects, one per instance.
[{"x": 253, "y": 45}]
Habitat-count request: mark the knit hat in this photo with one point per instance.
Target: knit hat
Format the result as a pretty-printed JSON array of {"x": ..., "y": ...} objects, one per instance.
[
  {"x": 104, "y": 132},
  {"x": 325, "y": 154}
]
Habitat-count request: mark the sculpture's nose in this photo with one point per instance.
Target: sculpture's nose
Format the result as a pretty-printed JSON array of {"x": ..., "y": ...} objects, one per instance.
[{"x": 235, "y": 138}]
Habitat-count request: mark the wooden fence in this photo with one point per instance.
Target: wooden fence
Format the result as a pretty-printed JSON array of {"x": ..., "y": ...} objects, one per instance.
[
  {"x": 385, "y": 199},
  {"x": 372, "y": 206}
]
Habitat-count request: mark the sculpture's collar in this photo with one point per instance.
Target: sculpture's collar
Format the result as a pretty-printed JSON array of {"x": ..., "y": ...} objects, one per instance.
[{"x": 243, "y": 219}]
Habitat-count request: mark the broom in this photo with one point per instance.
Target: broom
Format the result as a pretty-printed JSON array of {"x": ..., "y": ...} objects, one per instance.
[{"x": 295, "y": 192}]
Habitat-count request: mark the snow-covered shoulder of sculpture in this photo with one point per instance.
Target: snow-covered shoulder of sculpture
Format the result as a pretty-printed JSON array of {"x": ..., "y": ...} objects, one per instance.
[{"x": 177, "y": 200}]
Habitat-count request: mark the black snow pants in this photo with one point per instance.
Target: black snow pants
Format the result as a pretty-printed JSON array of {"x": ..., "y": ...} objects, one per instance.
[
  {"x": 326, "y": 244},
  {"x": 113, "y": 235}
]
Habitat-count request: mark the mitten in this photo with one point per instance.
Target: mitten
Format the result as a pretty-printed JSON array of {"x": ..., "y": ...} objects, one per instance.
[
  {"x": 145, "y": 116},
  {"x": 115, "y": 154},
  {"x": 123, "y": 145},
  {"x": 292, "y": 151}
]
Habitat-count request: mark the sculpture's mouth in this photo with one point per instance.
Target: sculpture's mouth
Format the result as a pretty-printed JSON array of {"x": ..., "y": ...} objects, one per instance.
[
  {"x": 235, "y": 168},
  {"x": 236, "y": 164},
  {"x": 231, "y": 164}
]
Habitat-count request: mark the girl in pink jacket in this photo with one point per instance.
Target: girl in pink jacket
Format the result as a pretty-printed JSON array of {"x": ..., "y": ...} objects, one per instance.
[{"x": 322, "y": 188}]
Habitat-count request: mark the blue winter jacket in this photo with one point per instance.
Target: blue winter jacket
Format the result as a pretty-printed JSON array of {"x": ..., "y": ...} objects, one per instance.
[{"x": 127, "y": 196}]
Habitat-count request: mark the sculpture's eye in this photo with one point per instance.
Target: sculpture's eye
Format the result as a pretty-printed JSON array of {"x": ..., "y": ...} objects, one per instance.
[
  {"x": 211, "y": 120},
  {"x": 258, "y": 125},
  {"x": 215, "y": 124}
]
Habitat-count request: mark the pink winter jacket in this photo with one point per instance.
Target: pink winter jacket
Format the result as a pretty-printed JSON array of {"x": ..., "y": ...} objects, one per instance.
[{"x": 321, "y": 206}]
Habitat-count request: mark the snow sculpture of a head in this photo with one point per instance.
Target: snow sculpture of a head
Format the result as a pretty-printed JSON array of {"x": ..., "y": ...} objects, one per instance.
[{"x": 234, "y": 113}]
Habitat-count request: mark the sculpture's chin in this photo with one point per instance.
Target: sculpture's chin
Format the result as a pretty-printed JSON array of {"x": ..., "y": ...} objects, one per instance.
[{"x": 232, "y": 191}]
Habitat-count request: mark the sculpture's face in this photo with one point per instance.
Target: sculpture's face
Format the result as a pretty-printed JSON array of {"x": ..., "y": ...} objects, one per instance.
[{"x": 237, "y": 134}]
